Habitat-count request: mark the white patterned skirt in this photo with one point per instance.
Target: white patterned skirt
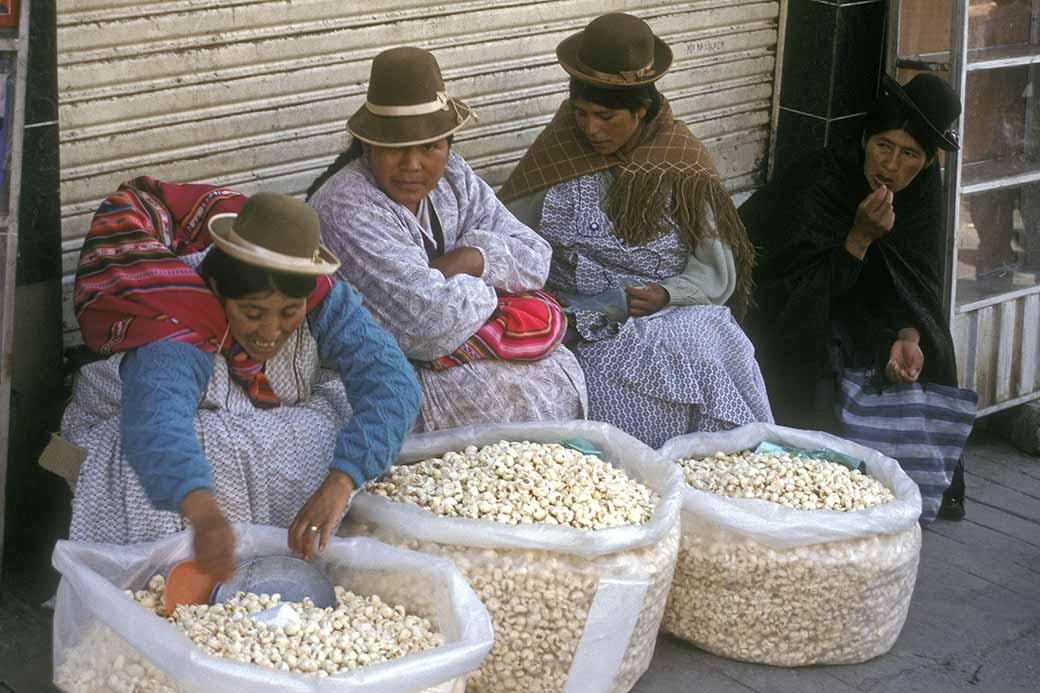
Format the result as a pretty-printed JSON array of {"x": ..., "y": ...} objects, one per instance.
[
  {"x": 493, "y": 391},
  {"x": 682, "y": 370}
]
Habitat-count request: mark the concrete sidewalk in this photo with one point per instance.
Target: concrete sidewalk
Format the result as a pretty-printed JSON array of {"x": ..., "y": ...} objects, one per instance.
[{"x": 974, "y": 622}]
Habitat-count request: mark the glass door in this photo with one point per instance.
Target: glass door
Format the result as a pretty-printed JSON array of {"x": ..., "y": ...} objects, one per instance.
[
  {"x": 991, "y": 50},
  {"x": 999, "y": 233}
]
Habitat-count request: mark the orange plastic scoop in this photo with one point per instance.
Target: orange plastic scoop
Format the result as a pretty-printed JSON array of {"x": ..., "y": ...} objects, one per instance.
[{"x": 187, "y": 584}]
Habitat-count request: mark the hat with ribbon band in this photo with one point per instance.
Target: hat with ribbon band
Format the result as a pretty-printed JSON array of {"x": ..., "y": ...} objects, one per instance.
[
  {"x": 615, "y": 50},
  {"x": 276, "y": 232},
  {"x": 934, "y": 103},
  {"x": 406, "y": 102}
]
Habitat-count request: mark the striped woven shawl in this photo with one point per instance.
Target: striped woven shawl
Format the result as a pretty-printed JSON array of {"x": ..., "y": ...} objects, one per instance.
[
  {"x": 132, "y": 287},
  {"x": 524, "y": 327}
]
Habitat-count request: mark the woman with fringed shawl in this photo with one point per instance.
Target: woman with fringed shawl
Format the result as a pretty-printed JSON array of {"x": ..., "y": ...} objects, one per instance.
[
  {"x": 214, "y": 316},
  {"x": 648, "y": 250}
]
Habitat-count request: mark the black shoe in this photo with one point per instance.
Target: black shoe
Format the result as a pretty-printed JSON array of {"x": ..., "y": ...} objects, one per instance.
[{"x": 952, "y": 509}]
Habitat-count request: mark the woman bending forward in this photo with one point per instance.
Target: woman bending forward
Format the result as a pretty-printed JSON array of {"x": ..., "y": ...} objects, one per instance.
[{"x": 212, "y": 406}]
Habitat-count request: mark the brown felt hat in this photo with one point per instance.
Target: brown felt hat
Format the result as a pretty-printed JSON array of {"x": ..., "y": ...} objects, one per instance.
[
  {"x": 615, "y": 50},
  {"x": 276, "y": 232},
  {"x": 406, "y": 102}
]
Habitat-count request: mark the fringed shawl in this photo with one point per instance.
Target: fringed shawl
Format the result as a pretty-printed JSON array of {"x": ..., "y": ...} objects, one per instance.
[{"x": 665, "y": 177}]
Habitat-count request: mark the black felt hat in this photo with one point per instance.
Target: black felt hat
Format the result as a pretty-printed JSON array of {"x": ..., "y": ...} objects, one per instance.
[{"x": 933, "y": 102}]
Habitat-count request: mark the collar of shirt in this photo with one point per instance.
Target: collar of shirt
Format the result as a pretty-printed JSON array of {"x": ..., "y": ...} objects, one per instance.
[{"x": 423, "y": 217}]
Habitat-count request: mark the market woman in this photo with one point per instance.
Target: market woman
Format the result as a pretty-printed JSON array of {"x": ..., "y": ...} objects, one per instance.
[
  {"x": 216, "y": 313},
  {"x": 434, "y": 253},
  {"x": 648, "y": 250},
  {"x": 851, "y": 241}
]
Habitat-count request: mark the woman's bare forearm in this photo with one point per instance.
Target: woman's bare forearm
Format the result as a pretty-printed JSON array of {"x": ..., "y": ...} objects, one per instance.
[{"x": 462, "y": 260}]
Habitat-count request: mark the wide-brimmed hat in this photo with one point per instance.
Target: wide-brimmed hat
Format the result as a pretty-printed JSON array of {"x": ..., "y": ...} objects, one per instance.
[
  {"x": 934, "y": 103},
  {"x": 276, "y": 232},
  {"x": 406, "y": 102},
  {"x": 615, "y": 50}
]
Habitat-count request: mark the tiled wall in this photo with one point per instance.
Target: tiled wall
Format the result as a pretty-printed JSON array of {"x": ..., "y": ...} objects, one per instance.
[
  {"x": 37, "y": 502},
  {"x": 833, "y": 57},
  {"x": 39, "y": 240}
]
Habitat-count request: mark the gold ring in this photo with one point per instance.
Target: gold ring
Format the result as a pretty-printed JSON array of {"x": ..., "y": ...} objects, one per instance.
[{"x": 313, "y": 528}]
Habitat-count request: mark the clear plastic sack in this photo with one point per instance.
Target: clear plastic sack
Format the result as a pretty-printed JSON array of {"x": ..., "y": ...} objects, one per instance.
[
  {"x": 573, "y": 610},
  {"x": 764, "y": 583},
  {"x": 104, "y": 641}
]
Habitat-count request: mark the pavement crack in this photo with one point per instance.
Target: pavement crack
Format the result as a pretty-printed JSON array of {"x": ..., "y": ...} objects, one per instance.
[
  {"x": 948, "y": 663},
  {"x": 1030, "y": 568},
  {"x": 1002, "y": 485},
  {"x": 1001, "y": 459},
  {"x": 1023, "y": 635},
  {"x": 952, "y": 537},
  {"x": 1000, "y": 531},
  {"x": 1021, "y": 469},
  {"x": 1002, "y": 509},
  {"x": 986, "y": 579},
  {"x": 735, "y": 680},
  {"x": 1015, "y": 563}
]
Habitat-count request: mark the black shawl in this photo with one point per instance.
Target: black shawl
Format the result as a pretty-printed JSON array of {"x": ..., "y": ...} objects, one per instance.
[{"x": 808, "y": 287}]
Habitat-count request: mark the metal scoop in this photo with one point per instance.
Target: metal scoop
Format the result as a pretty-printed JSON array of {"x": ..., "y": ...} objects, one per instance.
[
  {"x": 293, "y": 578},
  {"x": 290, "y": 577}
]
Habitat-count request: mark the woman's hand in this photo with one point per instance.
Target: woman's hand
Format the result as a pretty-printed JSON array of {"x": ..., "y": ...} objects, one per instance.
[
  {"x": 213, "y": 540},
  {"x": 320, "y": 515},
  {"x": 875, "y": 217},
  {"x": 462, "y": 260},
  {"x": 905, "y": 358},
  {"x": 646, "y": 300}
]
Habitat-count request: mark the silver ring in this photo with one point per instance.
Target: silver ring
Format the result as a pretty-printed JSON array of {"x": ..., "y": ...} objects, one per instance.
[{"x": 313, "y": 528}]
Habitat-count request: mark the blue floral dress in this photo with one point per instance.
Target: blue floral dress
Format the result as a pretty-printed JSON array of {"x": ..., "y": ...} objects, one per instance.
[{"x": 682, "y": 369}]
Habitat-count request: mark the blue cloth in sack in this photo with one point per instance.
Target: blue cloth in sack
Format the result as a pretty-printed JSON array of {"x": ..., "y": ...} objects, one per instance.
[{"x": 923, "y": 426}]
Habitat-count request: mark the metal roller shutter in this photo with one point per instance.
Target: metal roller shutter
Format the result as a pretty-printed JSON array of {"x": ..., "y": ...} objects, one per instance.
[{"x": 255, "y": 93}]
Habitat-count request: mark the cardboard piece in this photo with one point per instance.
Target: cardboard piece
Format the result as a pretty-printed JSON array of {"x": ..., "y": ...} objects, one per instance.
[{"x": 64, "y": 459}]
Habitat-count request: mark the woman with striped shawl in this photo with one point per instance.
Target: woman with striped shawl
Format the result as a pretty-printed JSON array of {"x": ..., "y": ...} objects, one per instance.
[
  {"x": 648, "y": 250},
  {"x": 215, "y": 316}
]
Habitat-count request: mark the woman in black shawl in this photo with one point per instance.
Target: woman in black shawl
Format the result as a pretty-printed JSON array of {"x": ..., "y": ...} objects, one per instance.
[{"x": 851, "y": 242}]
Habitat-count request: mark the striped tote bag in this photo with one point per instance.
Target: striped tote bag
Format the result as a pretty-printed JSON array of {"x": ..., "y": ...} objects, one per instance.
[{"x": 923, "y": 426}]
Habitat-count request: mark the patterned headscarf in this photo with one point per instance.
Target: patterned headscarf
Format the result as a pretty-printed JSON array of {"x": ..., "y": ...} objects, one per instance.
[
  {"x": 665, "y": 176},
  {"x": 132, "y": 287}
]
